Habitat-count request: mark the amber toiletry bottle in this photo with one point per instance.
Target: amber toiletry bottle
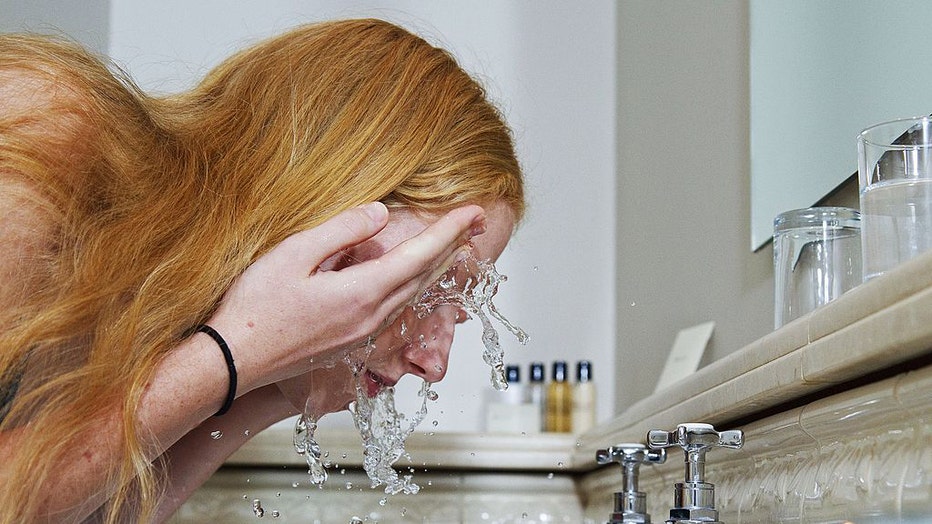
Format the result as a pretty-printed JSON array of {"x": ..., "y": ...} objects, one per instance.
[{"x": 559, "y": 400}]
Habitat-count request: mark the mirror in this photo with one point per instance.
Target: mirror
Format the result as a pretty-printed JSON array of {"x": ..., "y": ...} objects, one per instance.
[{"x": 820, "y": 72}]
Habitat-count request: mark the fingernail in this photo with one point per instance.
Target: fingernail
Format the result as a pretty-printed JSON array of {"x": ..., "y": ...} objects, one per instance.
[
  {"x": 376, "y": 211},
  {"x": 462, "y": 253},
  {"x": 478, "y": 226}
]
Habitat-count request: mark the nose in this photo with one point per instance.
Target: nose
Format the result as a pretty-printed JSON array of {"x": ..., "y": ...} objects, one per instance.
[{"x": 428, "y": 353}]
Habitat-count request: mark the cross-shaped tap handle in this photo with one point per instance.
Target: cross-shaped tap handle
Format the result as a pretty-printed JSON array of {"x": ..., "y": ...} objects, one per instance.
[
  {"x": 696, "y": 440},
  {"x": 630, "y": 505},
  {"x": 630, "y": 456}
]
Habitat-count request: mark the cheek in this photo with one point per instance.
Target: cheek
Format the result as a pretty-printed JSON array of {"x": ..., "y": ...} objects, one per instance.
[{"x": 395, "y": 337}]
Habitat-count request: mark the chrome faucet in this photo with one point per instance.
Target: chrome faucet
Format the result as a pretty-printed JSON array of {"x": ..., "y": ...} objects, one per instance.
[
  {"x": 694, "y": 499},
  {"x": 630, "y": 504}
]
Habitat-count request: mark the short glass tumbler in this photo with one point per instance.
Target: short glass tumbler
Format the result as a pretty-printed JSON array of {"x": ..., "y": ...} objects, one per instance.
[
  {"x": 895, "y": 179},
  {"x": 816, "y": 259}
]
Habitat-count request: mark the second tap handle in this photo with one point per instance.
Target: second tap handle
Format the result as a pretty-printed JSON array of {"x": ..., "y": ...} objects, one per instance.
[{"x": 695, "y": 437}]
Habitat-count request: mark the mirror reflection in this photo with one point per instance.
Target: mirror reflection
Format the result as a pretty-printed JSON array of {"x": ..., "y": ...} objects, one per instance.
[{"x": 820, "y": 72}]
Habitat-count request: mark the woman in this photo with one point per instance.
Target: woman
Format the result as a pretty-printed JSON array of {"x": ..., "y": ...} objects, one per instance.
[{"x": 171, "y": 255}]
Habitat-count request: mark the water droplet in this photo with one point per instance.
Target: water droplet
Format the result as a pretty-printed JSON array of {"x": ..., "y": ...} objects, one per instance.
[
  {"x": 355, "y": 520},
  {"x": 295, "y": 484},
  {"x": 349, "y": 485},
  {"x": 275, "y": 514},
  {"x": 549, "y": 475},
  {"x": 257, "y": 508},
  {"x": 559, "y": 464},
  {"x": 383, "y": 501},
  {"x": 633, "y": 304},
  {"x": 216, "y": 434},
  {"x": 435, "y": 423},
  {"x": 246, "y": 433}
]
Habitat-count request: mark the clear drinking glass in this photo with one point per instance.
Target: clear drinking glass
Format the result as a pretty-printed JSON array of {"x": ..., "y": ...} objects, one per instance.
[
  {"x": 816, "y": 258},
  {"x": 895, "y": 178}
]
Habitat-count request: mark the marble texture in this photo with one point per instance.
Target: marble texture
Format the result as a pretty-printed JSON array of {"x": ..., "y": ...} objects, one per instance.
[
  {"x": 284, "y": 495},
  {"x": 863, "y": 456}
]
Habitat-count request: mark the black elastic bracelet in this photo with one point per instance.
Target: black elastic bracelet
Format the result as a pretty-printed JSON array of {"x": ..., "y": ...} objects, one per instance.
[{"x": 231, "y": 392}]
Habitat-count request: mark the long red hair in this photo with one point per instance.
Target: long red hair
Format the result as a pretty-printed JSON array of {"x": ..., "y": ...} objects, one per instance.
[{"x": 154, "y": 206}]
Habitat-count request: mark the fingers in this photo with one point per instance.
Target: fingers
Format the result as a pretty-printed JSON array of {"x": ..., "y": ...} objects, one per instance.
[
  {"x": 308, "y": 249},
  {"x": 417, "y": 262},
  {"x": 426, "y": 251}
]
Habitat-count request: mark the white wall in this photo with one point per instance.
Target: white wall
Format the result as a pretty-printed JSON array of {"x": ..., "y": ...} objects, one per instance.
[
  {"x": 82, "y": 20},
  {"x": 550, "y": 66},
  {"x": 683, "y": 190}
]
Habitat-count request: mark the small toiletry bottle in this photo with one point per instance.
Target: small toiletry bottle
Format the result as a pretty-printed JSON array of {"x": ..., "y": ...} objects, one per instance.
[
  {"x": 537, "y": 390},
  {"x": 559, "y": 400},
  {"x": 511, "y": 411},
  {"x": 583, "y": 398}
]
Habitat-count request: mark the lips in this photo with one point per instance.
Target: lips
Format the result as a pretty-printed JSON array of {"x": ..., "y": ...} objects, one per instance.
[{"x": 375, "y": 383}]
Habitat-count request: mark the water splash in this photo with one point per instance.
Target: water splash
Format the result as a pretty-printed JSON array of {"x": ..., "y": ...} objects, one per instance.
[
  {"x": 471, "y": 284},
  {"x": 384, "y": 431},
  {"x": 306, "y": 445}
]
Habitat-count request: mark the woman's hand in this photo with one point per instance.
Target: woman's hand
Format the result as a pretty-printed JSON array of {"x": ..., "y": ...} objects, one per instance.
[{"x": 286, "y": 315}]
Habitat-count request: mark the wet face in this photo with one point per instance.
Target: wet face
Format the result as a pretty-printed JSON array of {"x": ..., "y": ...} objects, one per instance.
[{"x": 418, "y": 344}]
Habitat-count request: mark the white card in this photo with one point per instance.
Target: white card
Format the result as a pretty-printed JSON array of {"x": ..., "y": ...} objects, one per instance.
[{"x": 685, "y": 355}]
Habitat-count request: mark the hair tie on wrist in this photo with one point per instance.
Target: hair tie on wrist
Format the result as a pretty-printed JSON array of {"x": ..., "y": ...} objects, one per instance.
[{"x": 228, "y": 357}]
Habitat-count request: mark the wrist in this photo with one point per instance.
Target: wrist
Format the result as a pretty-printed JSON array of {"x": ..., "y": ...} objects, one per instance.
[{"x": 230, "y": 365}]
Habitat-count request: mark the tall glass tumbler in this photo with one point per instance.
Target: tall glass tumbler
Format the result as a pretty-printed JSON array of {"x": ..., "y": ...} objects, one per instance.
[
  {"x": 816, "y": 259},
  {"x": 895, "y": 178}
]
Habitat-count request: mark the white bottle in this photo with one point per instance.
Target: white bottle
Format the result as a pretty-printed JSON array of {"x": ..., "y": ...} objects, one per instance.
[
  {"x": 537, "y": 388},
  {"x": 511, "y": 410},
  {"x": 583, "y": 398}
]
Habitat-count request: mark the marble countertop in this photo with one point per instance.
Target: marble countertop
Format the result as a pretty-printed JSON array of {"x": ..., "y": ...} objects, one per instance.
[{"x": 883, "y": 323}]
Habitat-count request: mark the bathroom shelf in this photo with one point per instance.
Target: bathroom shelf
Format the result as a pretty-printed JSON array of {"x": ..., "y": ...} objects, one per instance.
[{"x": 434, "y": 451}]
